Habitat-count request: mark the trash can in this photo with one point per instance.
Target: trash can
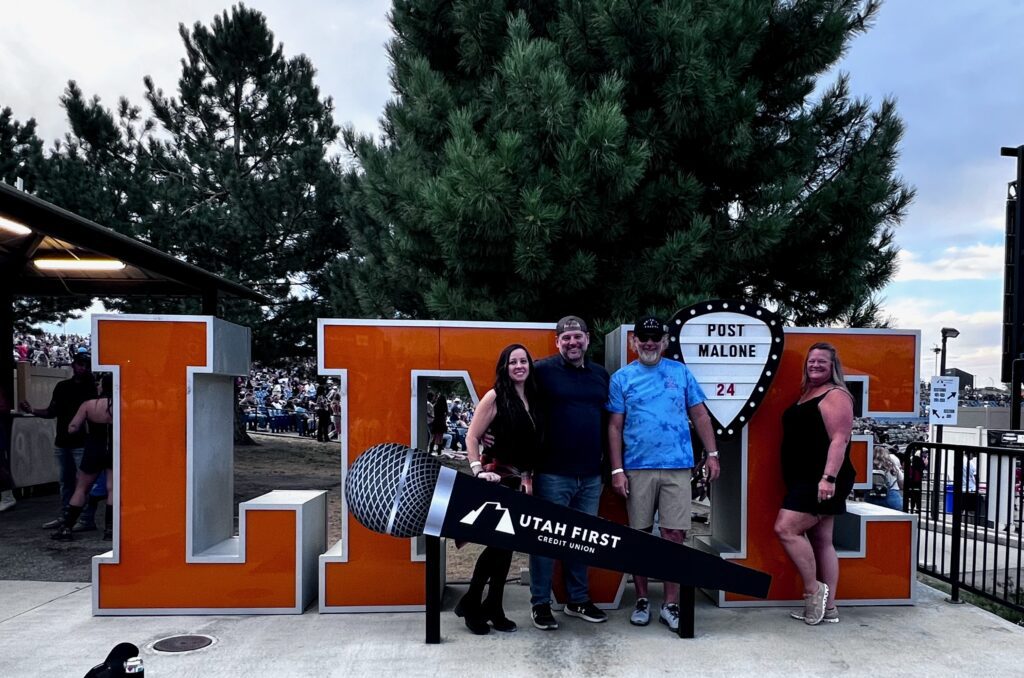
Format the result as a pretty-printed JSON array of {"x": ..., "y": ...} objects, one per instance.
[{"x": 949, "y": 497}]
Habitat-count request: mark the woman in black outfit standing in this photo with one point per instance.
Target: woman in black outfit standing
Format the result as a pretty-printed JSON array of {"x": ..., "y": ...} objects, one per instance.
[
  {"x": 819, "y": 476},
  {"x": 97, "y": 457},
  {"x": 510, "y": 412}
]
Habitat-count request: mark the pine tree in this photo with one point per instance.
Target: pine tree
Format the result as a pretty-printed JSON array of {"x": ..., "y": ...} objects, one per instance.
[
  {"x": 231, "y": 174},
  {"x": 21, "y": 150},
  {"x": 22, "y": 159},
  {"x": 605, "y": 158},
  {"x": 248, "y": 189}
]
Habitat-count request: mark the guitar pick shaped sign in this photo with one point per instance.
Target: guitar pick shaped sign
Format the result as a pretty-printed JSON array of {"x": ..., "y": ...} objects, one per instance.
[{"x": 733, "y": 348}]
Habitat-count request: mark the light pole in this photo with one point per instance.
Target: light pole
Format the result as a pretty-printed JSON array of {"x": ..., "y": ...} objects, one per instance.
[
  {"x": 947, "y": 333},
  {"x": 936, "y": 456}
]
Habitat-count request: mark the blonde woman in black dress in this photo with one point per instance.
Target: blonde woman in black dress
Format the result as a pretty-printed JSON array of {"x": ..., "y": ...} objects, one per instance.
[{"x": 819, "y": 476}]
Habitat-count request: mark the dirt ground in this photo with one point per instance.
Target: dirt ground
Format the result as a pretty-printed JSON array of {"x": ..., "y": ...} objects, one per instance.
[{"x": 276, "y": 462}]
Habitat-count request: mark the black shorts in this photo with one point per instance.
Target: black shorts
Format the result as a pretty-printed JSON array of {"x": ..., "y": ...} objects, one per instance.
[
  {"x": 96, "y": 458},
  {"x": 803, "y": 498}
]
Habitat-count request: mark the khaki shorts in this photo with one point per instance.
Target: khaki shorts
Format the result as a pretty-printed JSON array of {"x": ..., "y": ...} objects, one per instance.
[{"x": 666, "y": 491}]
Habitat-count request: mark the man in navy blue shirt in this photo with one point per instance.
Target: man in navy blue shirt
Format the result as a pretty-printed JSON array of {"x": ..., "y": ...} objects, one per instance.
[
  {"x": 68, "y": 447},
  {"x": 569, "y": 470}
]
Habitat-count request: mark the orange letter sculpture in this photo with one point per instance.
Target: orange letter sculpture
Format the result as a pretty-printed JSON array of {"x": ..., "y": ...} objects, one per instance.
[
  {"x": 380, "y": 365},
  {"x": 877, "y": 546},
  {"x": 174, "y": 548}
]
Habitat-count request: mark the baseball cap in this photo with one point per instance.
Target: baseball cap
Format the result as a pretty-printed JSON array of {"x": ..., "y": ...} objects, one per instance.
[
  {"x": 82, "y": 359},
  {"x": 650, "y": 327},
  {"x": 571, "y": 323}
]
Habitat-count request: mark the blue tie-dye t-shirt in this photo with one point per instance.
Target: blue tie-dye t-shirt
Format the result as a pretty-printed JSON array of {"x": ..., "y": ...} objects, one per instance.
[{"x": 655, "y": 400}]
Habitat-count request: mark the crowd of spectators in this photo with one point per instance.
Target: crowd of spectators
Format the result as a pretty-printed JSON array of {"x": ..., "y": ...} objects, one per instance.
[
  {"x": 968, "y": 398},
  {"x": 896, "y": 433},
  {"x": 294, "y": 399},
  {"x": 457, "y": 419},
  {"x": 291, "y": 399},
  {"x": 288, "y": 399},
  {"x": 48, "y": 350}
]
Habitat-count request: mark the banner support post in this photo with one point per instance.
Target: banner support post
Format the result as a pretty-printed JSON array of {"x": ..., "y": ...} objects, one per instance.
[
  {"x": 433, "y": 584},
  {"x": 686, "y": 612}
]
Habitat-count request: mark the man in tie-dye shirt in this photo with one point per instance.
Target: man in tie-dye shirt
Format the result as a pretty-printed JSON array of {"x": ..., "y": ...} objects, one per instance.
[{"x": 651, "y": 403}]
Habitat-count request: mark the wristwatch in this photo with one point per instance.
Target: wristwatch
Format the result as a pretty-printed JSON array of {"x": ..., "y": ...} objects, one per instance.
[
  {"x": 829, "y": 479},
  {"x": 711, "y": 453}
]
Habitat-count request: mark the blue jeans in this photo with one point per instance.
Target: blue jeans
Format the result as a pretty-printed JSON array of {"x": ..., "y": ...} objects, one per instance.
[
  {"x": 893, "y": 500},
  {"x": 582, "y": 493},
  {"x": 68, "y": 460}
]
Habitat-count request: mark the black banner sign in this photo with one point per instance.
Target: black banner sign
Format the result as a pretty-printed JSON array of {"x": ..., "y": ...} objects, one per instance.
[{"x": 485, "y": 513}]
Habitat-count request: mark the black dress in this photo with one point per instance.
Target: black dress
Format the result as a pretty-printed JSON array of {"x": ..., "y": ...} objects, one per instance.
[{"x": 805, "y": 444}]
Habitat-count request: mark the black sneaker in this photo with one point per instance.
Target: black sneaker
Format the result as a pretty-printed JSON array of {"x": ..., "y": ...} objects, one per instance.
[
  {"x": 586, "y": 611},
  {"x": 52, "y": 524},
  {"x": 63, "y": 533},
  {"x": 543, "y": 619}
]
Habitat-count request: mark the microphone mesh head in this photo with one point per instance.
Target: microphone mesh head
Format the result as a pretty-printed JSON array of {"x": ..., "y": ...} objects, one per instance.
[{"x": 389, "y": 487}]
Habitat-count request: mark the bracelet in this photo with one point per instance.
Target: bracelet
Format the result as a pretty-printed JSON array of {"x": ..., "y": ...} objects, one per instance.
[
  {"x": 711, "y": 453},
  {"x": 829, "y": 479},
  {"x": 617, "y": 470}
]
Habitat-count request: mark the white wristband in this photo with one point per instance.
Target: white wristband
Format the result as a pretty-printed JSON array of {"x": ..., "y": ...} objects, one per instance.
[
  {"x": 475, "y": 463},
  {"x": 617, "y": 470}
]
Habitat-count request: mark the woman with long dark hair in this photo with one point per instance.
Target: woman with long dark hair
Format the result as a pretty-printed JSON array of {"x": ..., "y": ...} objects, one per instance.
[
  {"x": 510, "y": 412},
  {"x": 98, "y": 455}
]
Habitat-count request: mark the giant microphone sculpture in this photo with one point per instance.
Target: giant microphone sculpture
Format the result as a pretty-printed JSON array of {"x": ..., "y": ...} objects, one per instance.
[{"x": 404, "y": 492}]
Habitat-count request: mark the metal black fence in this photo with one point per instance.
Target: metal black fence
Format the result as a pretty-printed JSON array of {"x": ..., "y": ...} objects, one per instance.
[{"x": 969, "y": 504}]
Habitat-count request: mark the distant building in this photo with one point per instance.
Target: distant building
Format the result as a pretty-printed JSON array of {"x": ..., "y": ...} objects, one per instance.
[{"x": 966, "y": 378}]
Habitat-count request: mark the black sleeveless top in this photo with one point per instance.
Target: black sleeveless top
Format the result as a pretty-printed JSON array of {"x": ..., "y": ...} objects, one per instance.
[
  {"x": 99, "y": 437},
  {"x": 515, "y": 444},
  {"x": 805, "y": 444}
]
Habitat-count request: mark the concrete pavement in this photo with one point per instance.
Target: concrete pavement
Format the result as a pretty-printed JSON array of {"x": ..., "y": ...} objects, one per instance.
[{"x": 46, "y": 629}]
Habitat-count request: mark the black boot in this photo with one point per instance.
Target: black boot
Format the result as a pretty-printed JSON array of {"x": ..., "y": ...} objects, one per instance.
[
  {"x": 469, "y": 610},
  {"x": 492, "y": 606},
  {"x": 108, "y": 522},
  {"x": 69, "y": 518},
  {"x": 499, "y": 621}
]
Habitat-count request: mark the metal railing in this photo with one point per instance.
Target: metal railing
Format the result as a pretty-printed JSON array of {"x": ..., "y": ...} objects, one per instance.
[{"x": 969, "y": 529}]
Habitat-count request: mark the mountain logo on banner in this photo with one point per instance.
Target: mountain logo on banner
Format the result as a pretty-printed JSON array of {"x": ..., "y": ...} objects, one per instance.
[
  {"x": 490, "y": 514},
  {"x": 733, "y": 348}
]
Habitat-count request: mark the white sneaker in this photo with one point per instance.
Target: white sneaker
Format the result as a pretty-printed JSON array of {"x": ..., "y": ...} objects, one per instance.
[
  {"x": 7, "y": 501},
  {"x": 831, "y": 616},
  {"x": 641, "y": 613},
  {"x": 670, "y": 616},
  {"x": 814, "y": 605}
]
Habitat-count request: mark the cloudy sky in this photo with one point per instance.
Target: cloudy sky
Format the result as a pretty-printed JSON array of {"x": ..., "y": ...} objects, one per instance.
[{"x": 950, "y": 64}]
